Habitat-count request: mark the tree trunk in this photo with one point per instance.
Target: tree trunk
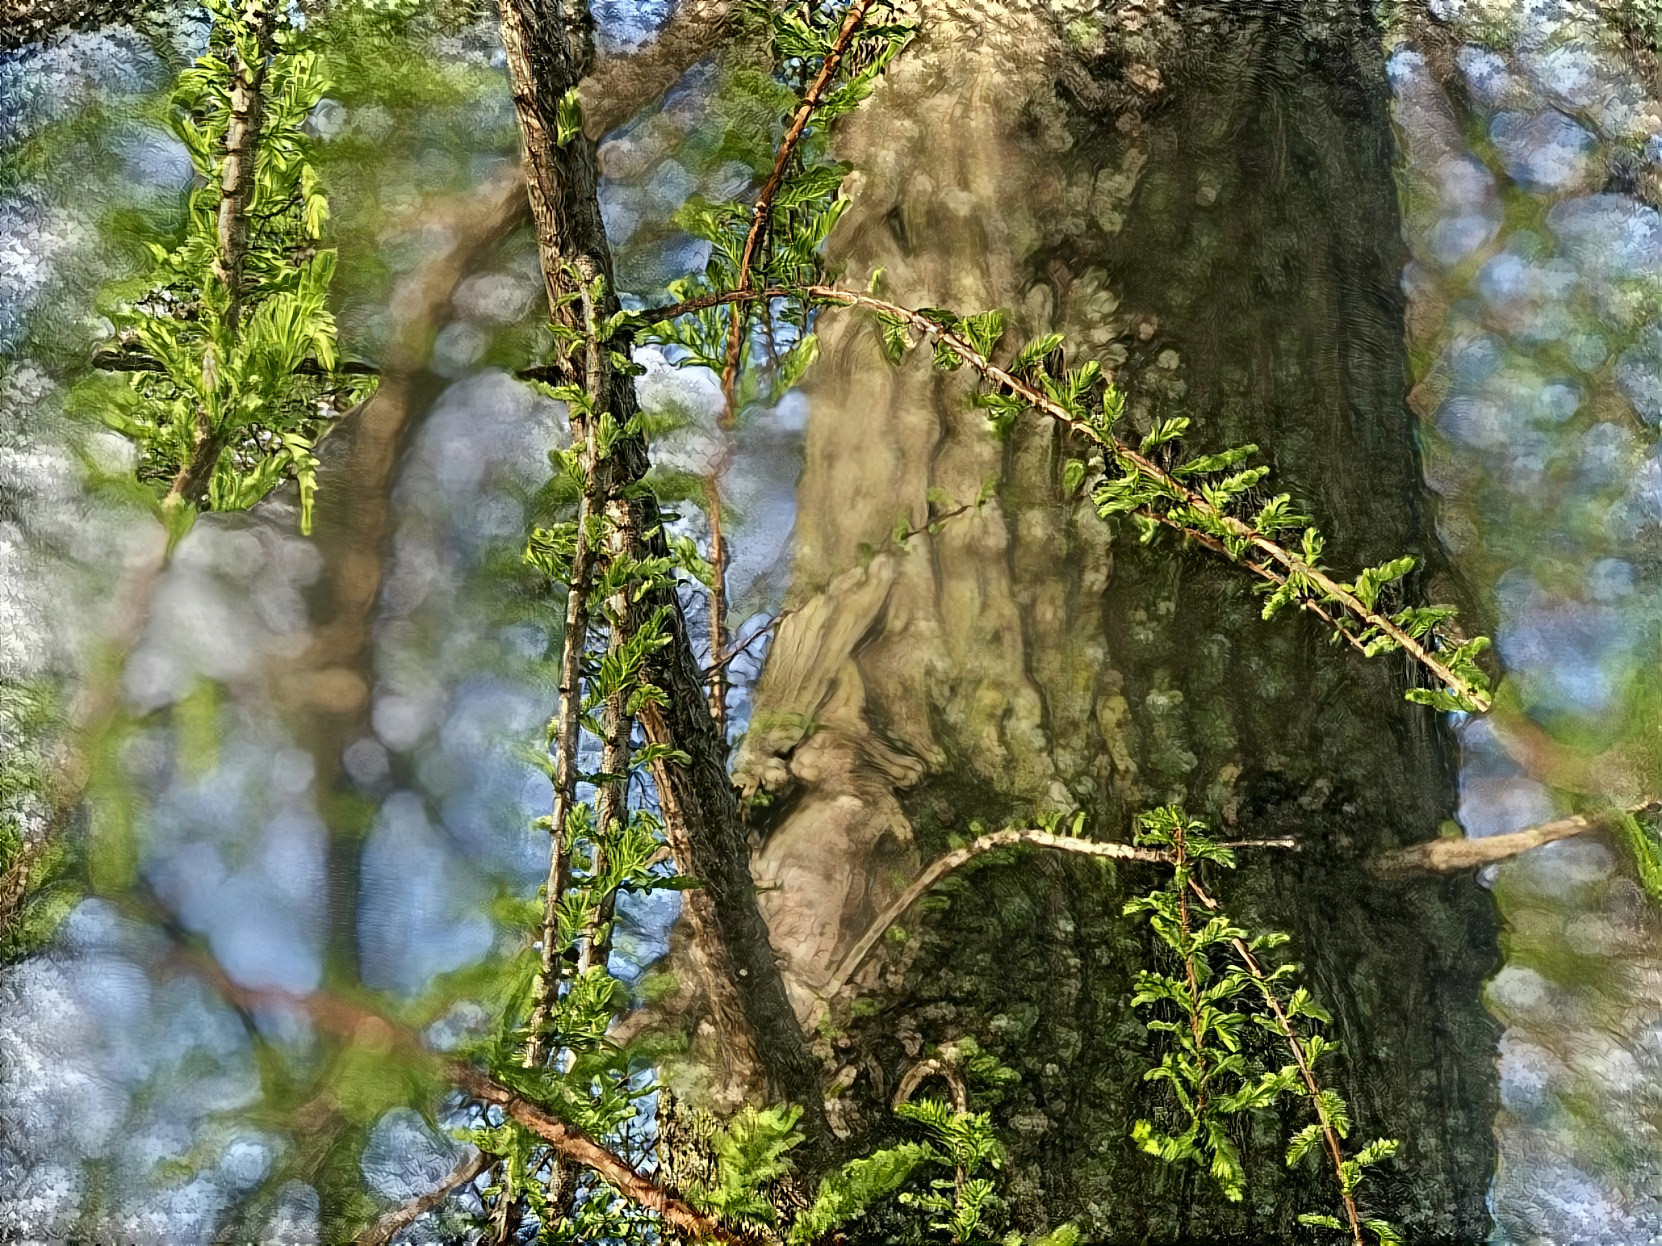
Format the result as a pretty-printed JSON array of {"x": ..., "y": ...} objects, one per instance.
[{"x": 1211, "y": 215}]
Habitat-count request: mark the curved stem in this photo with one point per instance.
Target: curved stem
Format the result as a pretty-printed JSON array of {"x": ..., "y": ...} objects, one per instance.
[
  {"x": 1275, "y": 553},
  {"x": 938, "y": 869}
]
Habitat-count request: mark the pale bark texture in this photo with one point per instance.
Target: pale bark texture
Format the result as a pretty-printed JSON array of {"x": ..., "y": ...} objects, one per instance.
[{"x": 1201, "y": 196}]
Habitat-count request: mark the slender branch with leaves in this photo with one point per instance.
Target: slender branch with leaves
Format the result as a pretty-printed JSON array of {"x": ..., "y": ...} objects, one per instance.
[
  {"x": 1220, "y": 992},
  {"x": 227, "y": 341},
  {"x": 1196, "y": 497},
  {"x": 830, "y": 59}
]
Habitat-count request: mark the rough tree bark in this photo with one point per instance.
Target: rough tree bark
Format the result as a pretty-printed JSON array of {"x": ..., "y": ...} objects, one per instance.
[{"x": 1201, "y": 196}]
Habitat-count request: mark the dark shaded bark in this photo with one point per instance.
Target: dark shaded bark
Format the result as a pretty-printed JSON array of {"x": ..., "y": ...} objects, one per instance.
[{"x": 1212, "y": 216}]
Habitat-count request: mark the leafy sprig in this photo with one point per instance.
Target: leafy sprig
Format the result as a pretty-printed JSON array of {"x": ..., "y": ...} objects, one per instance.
[
  {"x": 228, "y": 337},
  {"x": 1221, "y": 992}
]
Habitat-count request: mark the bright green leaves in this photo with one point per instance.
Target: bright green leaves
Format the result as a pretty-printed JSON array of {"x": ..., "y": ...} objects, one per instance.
[
  {"x": 805, "y": 38},
  {"x": 1206, "y": 463},
  {"x": 1208, "y": 498},
  {"x": 568, "y": 117},
  {"x": 1462, "y": 662},
  {"x": 750, "y": 1151},
  {"x": 1643, "y": 849},
  {"x": 234, "y": 386},
  {"x": 1206, "y": 1071},
  {"x": 847, "y": 1193},
  {"x": 959, "y": 1203},
  {"x": 1217, "y": 1003},
  {"x": 785, "y": 249},
  {"x": 1373, "y": 579}
]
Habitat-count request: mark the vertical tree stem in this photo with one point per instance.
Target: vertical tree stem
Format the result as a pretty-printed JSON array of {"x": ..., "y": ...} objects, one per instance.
[
  {"x": 699, "y": 804},
  {"x": 237, "y": 188}
]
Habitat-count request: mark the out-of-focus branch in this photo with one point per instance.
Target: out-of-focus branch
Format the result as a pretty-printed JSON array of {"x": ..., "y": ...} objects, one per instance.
[
  {"x": 349, "y": 1022},
  {"x": 400, "y": 1218},
  {"x": 28, "y": 21},
  {"x": 624, "y": 84}
]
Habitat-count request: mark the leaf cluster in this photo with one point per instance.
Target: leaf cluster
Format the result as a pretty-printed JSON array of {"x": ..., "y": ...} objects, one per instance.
[
  {"x": 803, "y": 211},
  {"x": 1215, "y": 998},
  {"x": 1216, "y": 498},
  {"x": 252, "y": 368}
]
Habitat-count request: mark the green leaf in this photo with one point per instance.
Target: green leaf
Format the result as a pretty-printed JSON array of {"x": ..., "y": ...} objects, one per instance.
[
  {"x": 1035, "y": 352},
  {"x": 1303, "y": 1142},
  {"x": 1211, "y": 462},
  {"x": 1317, "y": 1221},
  {"x": 1165, "y": 431},
  {"x": 568, "y": 117}
]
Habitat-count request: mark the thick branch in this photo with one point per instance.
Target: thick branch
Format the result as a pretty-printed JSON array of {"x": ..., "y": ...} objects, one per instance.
[
  {"x": 578, "y": 1147},
  {"x": 237, "y": 189}
]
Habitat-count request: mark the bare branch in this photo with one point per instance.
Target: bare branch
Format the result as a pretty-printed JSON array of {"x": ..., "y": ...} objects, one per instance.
[
  {"x": 938, "y": 869},
  {"x": 400, "y": 1218},
  {"x": 1449, "y": 856}
]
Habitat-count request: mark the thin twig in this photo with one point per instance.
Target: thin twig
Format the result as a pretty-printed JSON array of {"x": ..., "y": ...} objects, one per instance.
[
  {"x": 938, "y": 869},
  {"x": 739, "y": 650},
  {"x": 1330, "y": 1135},
  {"x": 591, "y": 507},
  {"x": 760, "y": 221},
  {"x": 1191, "y": 979},
  {"x": 615, "y": 758}
]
